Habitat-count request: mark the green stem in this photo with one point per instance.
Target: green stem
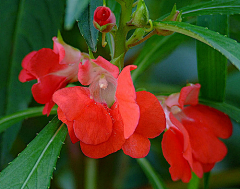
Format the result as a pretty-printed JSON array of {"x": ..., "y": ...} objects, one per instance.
[
  {"x": 91, "y": 173},
  {"x": 9, "y": 120},
  {"x": 143, "y": 39},
  {"x": 121, "y": 34},
  {"x": 154, "y": 179}
]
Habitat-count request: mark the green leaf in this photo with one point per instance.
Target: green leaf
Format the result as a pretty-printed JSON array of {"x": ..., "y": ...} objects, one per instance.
[
  {"x": 223, "y": 44},
  {"x": 33, "y": 168},
  {"x": 209, "y": 8},
  {"x": 9, "y": 120},
  {"x": 28, "y": 25},
  {"x": 155, "y": 49},
  {"x": 230, "y": 110},
  {"x": 74, "y": 9},
  {"x": 85, "y": 25},
  {"x": 212, "y": 7},
  {"x": 212, "y": 65},
  {"x": 154, "y": 179}
]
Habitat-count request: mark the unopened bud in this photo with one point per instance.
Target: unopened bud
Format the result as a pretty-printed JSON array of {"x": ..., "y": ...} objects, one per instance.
[
  {"x": 140, "y": 17},
  {"x": 104, "y": 19},
  {"x": 175, "y": 15}
]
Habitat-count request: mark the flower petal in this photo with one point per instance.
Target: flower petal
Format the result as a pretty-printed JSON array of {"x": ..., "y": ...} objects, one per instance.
[
  {"x": 86, "y": 74},
  {"x": 206, "y": 147},
  {"x": 48, "y": 107},
  {"x": 25, "y": 75},
  {"x": 152, "y": 120},
  {"x": 44, "y": 62},
  {"x": 69, "y": 124},
  {"x": 126, "y": 98},
  {"x": 94, "y": 124},
  {"x": 172, "y": 147},
  {"x": 107, "y": 66},
  {"x": 67, "y": 54},
  {"x": 113, "y": 144},
  {"x": 72, "y": 101},
  {"x": 47, "y": 85},
  {"x": 189, "y": 95},
  {"x": 136, "y": 146},
  {"x": 218, "y": 122}
]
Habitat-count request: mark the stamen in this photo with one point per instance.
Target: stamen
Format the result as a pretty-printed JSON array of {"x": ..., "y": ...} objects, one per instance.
[{"x": 103, "y": 83}]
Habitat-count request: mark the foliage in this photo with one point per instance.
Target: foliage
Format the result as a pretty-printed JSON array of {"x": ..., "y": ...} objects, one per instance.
[{"x": 30, "y": 25}]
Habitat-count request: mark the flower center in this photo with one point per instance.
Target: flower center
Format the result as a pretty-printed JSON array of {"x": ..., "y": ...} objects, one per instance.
[{"x": 103, "y": 84}]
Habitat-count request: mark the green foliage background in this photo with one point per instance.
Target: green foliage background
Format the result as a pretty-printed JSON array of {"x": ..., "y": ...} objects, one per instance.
[{"x": 165, "y": 64}]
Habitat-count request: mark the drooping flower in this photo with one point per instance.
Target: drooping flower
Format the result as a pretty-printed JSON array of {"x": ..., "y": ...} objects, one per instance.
[
  {"x": 191, "y": 141},
  {"x": 104, "y": 19},
  {"x": 53, "y": 69},
  {"x": 109, "y": 115}
]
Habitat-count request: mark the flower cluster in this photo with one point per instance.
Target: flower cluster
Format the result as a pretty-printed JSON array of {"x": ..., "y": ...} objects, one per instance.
[
  {"x": 191, "y": 141},
  {"x": 105, "y": 114}
]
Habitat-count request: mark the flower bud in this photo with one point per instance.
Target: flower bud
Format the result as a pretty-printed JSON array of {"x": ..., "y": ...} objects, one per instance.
[
  {"x": 141, "y": 16},
  {"x": 104, "y": 19},
  {"x": 175, "y": 15}
]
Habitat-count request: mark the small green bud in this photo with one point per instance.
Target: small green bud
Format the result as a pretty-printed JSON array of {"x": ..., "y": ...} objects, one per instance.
[
  {"x": 136, "y": 36},
  {"x": 175, "y": 15},
  {"x": 141, "y": 16}
]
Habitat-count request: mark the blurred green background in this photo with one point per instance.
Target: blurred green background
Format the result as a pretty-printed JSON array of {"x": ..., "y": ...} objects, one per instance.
[{"x": 28, "y": 25}]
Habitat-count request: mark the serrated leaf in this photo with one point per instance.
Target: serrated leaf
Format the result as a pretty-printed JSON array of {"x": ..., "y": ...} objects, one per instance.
[
  {"x": 74, "y": 9},
  {"x": 223, "y": 44},
  {"x": 25, "y": 26},
  {"x": 85, "y": 24},
  {"x": 212, "y": 65},
  {"x": 209, "y": 8},
  {"x": 155, "y": 49},
  {"x": 8, "y": 120},
  {"x": 212, "y": 7},
  {"x": 33, "y": 168}
]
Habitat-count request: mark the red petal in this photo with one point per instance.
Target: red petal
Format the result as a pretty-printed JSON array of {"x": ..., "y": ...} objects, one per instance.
[
  {"x": 152, "y": 120},
  {"x": 48, "y": 107},
  {"x": 94, "y": 124},
  {"x": 126, "y": 98},
  {"x": 25, "y": 76},
  {"x": 206, "y": 147},
  {"x": 113, "y": 144},
  {"x": 107, "y": 66},
  {"x": 136, "y": 146},
  {"x": 27, "y": 58},
  {"x": 72, "y": 101},
  {"x": 218, "y": 122},
  {"x": 86, "y": 73},
  {"x": 46, "y": 86},
  {"x": 44, "y": 62},
  {"x": 172, "y": 147},
  {"x": 69, "y": 124},
  {"x": 189, "y": 95},
  {"x": 67, "y": 54}
]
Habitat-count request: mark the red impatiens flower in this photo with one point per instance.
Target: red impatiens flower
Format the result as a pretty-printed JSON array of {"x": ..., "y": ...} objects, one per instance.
[
  {"x": 191, "y": 141},
  {"x": 109, "y": 115},
  {"x": 104, "y": 19},
  {"x": 53, "y": 69}
]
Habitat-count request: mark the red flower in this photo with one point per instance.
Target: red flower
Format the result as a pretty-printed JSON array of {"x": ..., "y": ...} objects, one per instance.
[
  {"x": 191, "y": 141},
  {"x": 104, "y": 19},
  {"x": 53, "y": 69},
  {"x": 109, "y": 115}
]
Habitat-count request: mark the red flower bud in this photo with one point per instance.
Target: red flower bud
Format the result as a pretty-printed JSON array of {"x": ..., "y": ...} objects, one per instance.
[{"x": 104, "y": 19}]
